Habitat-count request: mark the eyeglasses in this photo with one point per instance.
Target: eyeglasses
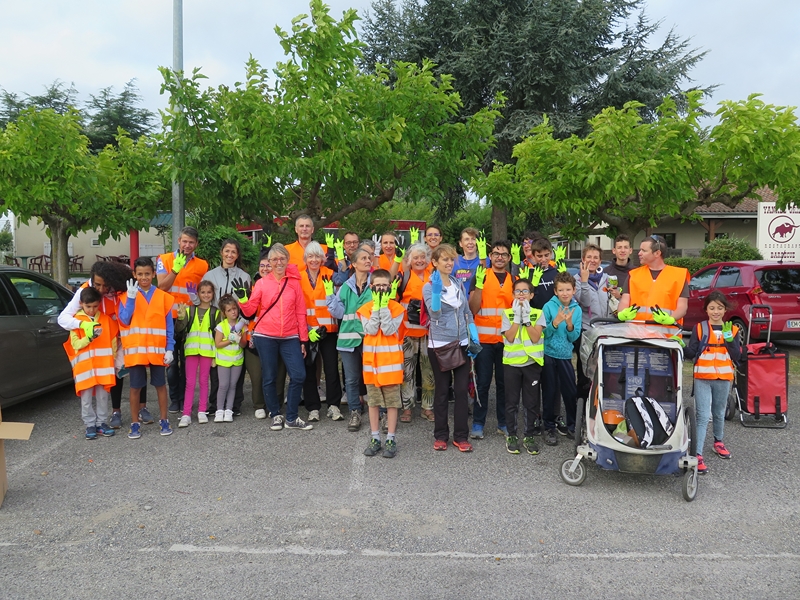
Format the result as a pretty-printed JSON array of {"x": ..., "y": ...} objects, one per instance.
[
  {"x": 521, "y": 292},
  {"x": 433, "y": 235},
  {"x": 278, "y": 259},
  {"x": 501, "y": 255},
  {"x": 263, "y": 266}
]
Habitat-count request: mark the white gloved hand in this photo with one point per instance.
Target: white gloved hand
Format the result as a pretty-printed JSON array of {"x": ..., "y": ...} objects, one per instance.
[
  {"x": 517, "y": 312},
  {"x": 234, "y": 338},
  {"x": 133, "y": 288},
  {"x": 168, "y": 358}
]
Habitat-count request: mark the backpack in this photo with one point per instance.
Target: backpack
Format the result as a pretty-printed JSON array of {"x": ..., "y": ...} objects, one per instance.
[
  {"x": 648, "y": 419},
  {"x": 416, "y": 313}
]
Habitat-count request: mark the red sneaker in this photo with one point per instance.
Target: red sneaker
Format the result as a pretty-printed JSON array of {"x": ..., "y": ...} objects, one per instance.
[
  {"x": 463, "y": 446},
  {"x": 701, "y": 465},
  {"x": 440, "y": 445},
  {"x": 721, "y": 450}
]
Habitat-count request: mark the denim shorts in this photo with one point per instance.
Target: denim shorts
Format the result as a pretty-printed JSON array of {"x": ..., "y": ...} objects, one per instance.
[{"x": 138, "y": 373}]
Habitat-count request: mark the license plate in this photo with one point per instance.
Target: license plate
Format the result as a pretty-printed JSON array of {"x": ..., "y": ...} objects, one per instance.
[{"x": 793, "y": 324}]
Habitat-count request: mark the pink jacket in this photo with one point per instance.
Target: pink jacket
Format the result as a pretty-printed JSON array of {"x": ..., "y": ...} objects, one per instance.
[{"x": 288, "y": 317}]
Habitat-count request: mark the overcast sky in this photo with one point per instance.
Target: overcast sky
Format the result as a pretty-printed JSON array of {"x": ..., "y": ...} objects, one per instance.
[{"x": 753, "y": 46}]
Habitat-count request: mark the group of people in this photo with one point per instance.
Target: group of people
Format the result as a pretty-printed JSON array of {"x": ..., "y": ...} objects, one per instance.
[{"x": 427, "y": 323}]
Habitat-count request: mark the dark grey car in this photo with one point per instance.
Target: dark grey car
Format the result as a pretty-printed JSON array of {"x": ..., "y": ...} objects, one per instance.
[{"x": 32, "y": 357}]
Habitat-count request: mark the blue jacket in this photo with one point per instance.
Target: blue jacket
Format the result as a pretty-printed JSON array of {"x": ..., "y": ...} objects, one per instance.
[{"x": 557, "y": 340}]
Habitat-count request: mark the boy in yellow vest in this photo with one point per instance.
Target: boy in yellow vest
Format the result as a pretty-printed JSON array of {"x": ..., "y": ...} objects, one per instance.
[
  {"x": 91, "y": 349},
  {"x": 382, "y": 320}
]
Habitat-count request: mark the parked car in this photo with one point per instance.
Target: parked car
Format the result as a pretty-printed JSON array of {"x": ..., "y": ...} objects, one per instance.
[
  {"x": 749, "y": 282},
  {"x": 32, "y": 357}
]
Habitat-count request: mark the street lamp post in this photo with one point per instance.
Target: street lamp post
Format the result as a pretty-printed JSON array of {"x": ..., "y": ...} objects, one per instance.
[{"x": 178, "y": 208}]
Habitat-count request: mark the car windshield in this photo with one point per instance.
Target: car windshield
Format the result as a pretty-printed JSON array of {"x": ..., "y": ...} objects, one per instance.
[{"x": 779, "y": 281}]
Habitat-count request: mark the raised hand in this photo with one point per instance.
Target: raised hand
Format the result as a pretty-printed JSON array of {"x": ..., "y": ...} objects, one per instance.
[
  {"x": 398, "y": 254},
  {"x": 727, "y": 331},
  {"x": 561, "y": 253},
  {"x": 481, "y": 243},
  {"x": 239, "y": 288},
  {"x": 329, "y": 240},
  {"x": 524, "y": 272},
  {"x": 339, "y": 245},
  {"x": 515, "y": 258},
  {"x": 436, "y": 283},
  {"x": 327, "y": 283},
  {"x": 536, "y": 277},
  {"x": 376, "y": 300},
  {"x": 179, "y": 263},
  {"x": 133, "y": 288},
  {"x": 385, "y": 299},
  {"x": 480, "y": 277},
  {"x": 414, "y": 234},
  {"x": 267, "y": 243},
  {"x": 584, "y": 272},
  {"x": 395, "y": 285}
]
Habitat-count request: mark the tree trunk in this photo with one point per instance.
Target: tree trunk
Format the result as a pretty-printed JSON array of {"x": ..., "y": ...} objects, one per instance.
[
  {"x": 59, "y": 249},
  {"x": 499, "y": 223}
]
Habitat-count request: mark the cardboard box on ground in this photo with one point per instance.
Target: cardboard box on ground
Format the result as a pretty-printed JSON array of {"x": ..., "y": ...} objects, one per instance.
[{"x": 10, "y": 431}]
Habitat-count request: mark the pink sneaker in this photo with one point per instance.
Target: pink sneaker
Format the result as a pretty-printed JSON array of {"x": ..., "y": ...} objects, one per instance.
[
  {"x": 721, "y": 450},
  {"x": 701, "y": 465}
]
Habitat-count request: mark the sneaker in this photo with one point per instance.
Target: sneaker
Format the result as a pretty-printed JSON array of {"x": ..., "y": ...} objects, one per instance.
[
  {"x": 334, "y": 414},
  {"x": 202, "y": 418},
  {"x": 477, "y": 432},
  {"x": 228, "y": 416},
  {"x": 503, "y": 431},
  {"x": 261, "y": 414},
  {"x": 313, "y": 416},
  {"x": 383, "y": 423},
  {"x": 277, "y": 423},
  {"x": 298, "y": 423},
  {"x": 530, "y": 445},
  {"x": 145, "y": 416},
  {"x": 538, "y": 428},
  {"x": 237, "y": 413},
  {"x": 354, "y": 424},
  {"x": 116, "y": 420},
  {"x": 463, "y": 446},
  {"x": 165, "y": 428},
  {"x": 389, "y": 449},
  {"x": 512, "y": 444},
  {"x": 561, "y": 427},
  {"x": 91, "y": 433},
  {"x": 135, "y": 431},
  {"x": 373, "y": 448},
  {"x": 174, "y": 407},
  {"x": 721, "y": 450},
  {"x": 570, "y": 434},
  {"x": 219, "y": 416},
  {"x": 550, "y": 437},
  {"x": 185, "y": 421},
  {"x": 440, "y": 445},
  {"x": 105, "y": 430},
  {"x": 701, "y": 465}
]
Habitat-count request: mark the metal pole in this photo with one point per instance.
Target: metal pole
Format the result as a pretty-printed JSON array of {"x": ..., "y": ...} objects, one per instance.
[{"x": 178, "y": 208}]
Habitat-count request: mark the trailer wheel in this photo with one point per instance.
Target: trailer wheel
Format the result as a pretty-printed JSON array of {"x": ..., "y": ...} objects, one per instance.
[
  {"x": 690, "y": 485},
  {"x": 580, "y": 424},
  {"x": 575, "y": 478},
  {"x": 689, "y": 420},
  {"x": 733, "y": 401}
]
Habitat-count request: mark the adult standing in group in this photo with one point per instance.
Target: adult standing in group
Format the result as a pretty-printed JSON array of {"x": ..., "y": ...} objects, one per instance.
[
  {"x": 433, "y": 236},
  {"x": 281, "y": 330},
  {"x": 415, "y": 343},
  {"x": 391, "y": 257},
  {"x": 492, "y": 294},
  {"x": 344, "y": 305},
  {"x": 344, "y": 257},
  {"x": 592, "y": 296},
  {"x": 450, "y": 322},
  {"x": 655, "y": 284},
  {"x": 466, "y": 265},
  {"x": 223, "y": 276},
  {"x": 619, "y": 269},
  {"x": 304, "y": 228},
  {"x": 178, "y": 274}
]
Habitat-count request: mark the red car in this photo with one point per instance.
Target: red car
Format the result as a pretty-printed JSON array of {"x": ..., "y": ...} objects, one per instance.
[{"x": 750, "y": 282}]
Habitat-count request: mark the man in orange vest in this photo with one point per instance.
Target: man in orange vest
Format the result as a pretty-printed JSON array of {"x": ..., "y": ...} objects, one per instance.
[
  {"x": 179, "y": 274},
  {"x": 304, "y": 228},
  {"x": 492, "y": 294},
  {"x": 655, "y": 291}
]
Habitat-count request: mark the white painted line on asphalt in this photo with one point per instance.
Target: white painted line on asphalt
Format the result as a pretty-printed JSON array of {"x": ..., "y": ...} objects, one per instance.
[
  {"x": 298, "y": 550},
  {"x": 357, "y": 474},
  {"x": 38, "y": 455},
  {"x": 8, "y": 544}
]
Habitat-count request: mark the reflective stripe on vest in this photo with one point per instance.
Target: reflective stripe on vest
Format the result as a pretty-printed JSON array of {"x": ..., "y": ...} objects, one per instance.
[
  {"x": 382, "y": 356},
  {"x": 714, "y": 362},
  {"x": 144, "y": 342},
  {"x": 350, "y": 331},
  {"x": 192, "y": 271},
  {"x": 494, "y": 300},
  {"x": 317, "y": 313},
  {"x": 231, "y": 355},
  {"x": 200, "y": 338},
  {"x": 93, "y": 365},
  {"x": 522, "y": 349},
  {"x": 413, "y": 291}
]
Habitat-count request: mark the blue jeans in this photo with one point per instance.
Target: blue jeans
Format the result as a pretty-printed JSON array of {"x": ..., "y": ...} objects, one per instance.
[
  {"x": 488, "y": 361},
  {"x": 289, "y": 350},
  {"x": 353, "y": 376},
  {"x": 710, "y": 398}
]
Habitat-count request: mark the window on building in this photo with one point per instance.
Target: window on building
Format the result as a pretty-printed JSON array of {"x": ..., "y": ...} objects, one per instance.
[{"x": 668, "y": 237}]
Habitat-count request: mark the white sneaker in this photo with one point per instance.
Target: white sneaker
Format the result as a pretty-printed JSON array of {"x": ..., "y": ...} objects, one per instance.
[
  {"x": 185, "y": 421},
  {"x": 228, "y": 416},
  {"x": 334, "y": 413},
  {"x": 261, "y": 414},
  {"x": 219, "y": 416},
  {"x": 202, "y": 417},
  {"x": 313, "y": 416}
]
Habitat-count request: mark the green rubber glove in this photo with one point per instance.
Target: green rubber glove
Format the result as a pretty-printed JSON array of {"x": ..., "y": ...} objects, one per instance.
[
  {"x": 727, "y": 331},
  {"x": 481, "y": 242},
  {"x": 239, "y": 288},
  {"x": 515, "y": 248},
  {"x": 561, "y": 253},
  {"x": 339, "y": 245},
  {"x": 88, "y": 328},
  {"x": 398, "y": 254},
  {"x": 376, "y": 301},
  {"x": 480, "y": 277},
  {"x": 313, "y": 336},
  {"x": 414, "y": 233},
  {"x": 267, "y": 243},
  {"x": 328, "y": 284},
  {"x": 561, "y": 266},
  {"x": 629, "y": 313},
  {"x": 393, "y": 292},
  {"x": 536, "y": 277},
  {"x": 179, "y": 263},
  {"x": 679, "y": 339},
  {"x": 385, "y": 300},
  {"x": 662, "y": 318},
  {"x": 329, "y": 240},
  {"x": 524, "y": 272}
]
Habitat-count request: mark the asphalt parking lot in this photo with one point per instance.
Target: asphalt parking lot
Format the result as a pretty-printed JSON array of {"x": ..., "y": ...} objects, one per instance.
[{"x": 238, "y": 509}]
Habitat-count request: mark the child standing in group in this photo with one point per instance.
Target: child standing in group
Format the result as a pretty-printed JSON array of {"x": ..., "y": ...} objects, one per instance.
[
  {"x": 382, "y": 320},
  {"x": 230, "y": 339},
  {"x": 200, "y": 351},
  {"x": 91, "y": 349},
  {"x": 715, "y": 348},
  {"x": 523, "y": 357},
  {"x": 148, "y": 340},
  {"x": 563, "y": 317}
]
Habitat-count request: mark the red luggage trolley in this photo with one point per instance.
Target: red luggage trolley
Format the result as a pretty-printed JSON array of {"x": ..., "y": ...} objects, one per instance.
[{"x": 762, "y": 377}]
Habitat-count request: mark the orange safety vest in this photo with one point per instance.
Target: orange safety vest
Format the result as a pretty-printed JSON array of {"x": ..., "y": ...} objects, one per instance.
[
  {"x": 384, "y": 262},
  {"x": 382, "y": 354},
  {"x": 317, "y": 312},
  {"x": 297, "y": 254},
  {"x": 144, "y": 341},
  {"x": 494, "y": 301},
  {"x": 413, "y": 291},
  {"x": 714, "y": 362},
  {"x": 109, "y": 307},
  {"x": 94, "y": 364},
  {"x": 665, "y": 290},
  {"x": 192, "y": 272}
]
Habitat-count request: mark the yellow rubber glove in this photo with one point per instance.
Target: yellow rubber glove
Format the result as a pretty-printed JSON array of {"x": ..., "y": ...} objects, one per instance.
[
  {"x": 328, "y": 284},
  {"x": 629, "y": 313},
  {"x": 179, "y": 263},
  {"x": 414, "y": 233},
  {"x": 515, "y": 258},
  {"x": 480, "y": 277},
  {"x": 481, "y": 242},
  {"x": 329, "y": 240}
]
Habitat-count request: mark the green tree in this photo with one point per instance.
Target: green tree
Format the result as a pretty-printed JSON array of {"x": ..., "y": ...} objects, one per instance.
[
  {"x": 567, "y": 59},
  {"x": 6, "y": 238},
  {"x": 108, "y": 112},
  {"x": 319, "y": 137},
  {"x": 629, "y": 174}
]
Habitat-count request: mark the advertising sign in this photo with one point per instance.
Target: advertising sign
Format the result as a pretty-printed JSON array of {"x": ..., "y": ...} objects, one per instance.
[{"x": 778, "y": 236}]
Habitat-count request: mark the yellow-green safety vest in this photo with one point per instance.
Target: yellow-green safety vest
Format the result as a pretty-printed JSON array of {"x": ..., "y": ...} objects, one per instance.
[
  {"x": 200, "y": 337},
  {"x": 522, "y": 349},
  {"x": 231, "y": 355}
]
